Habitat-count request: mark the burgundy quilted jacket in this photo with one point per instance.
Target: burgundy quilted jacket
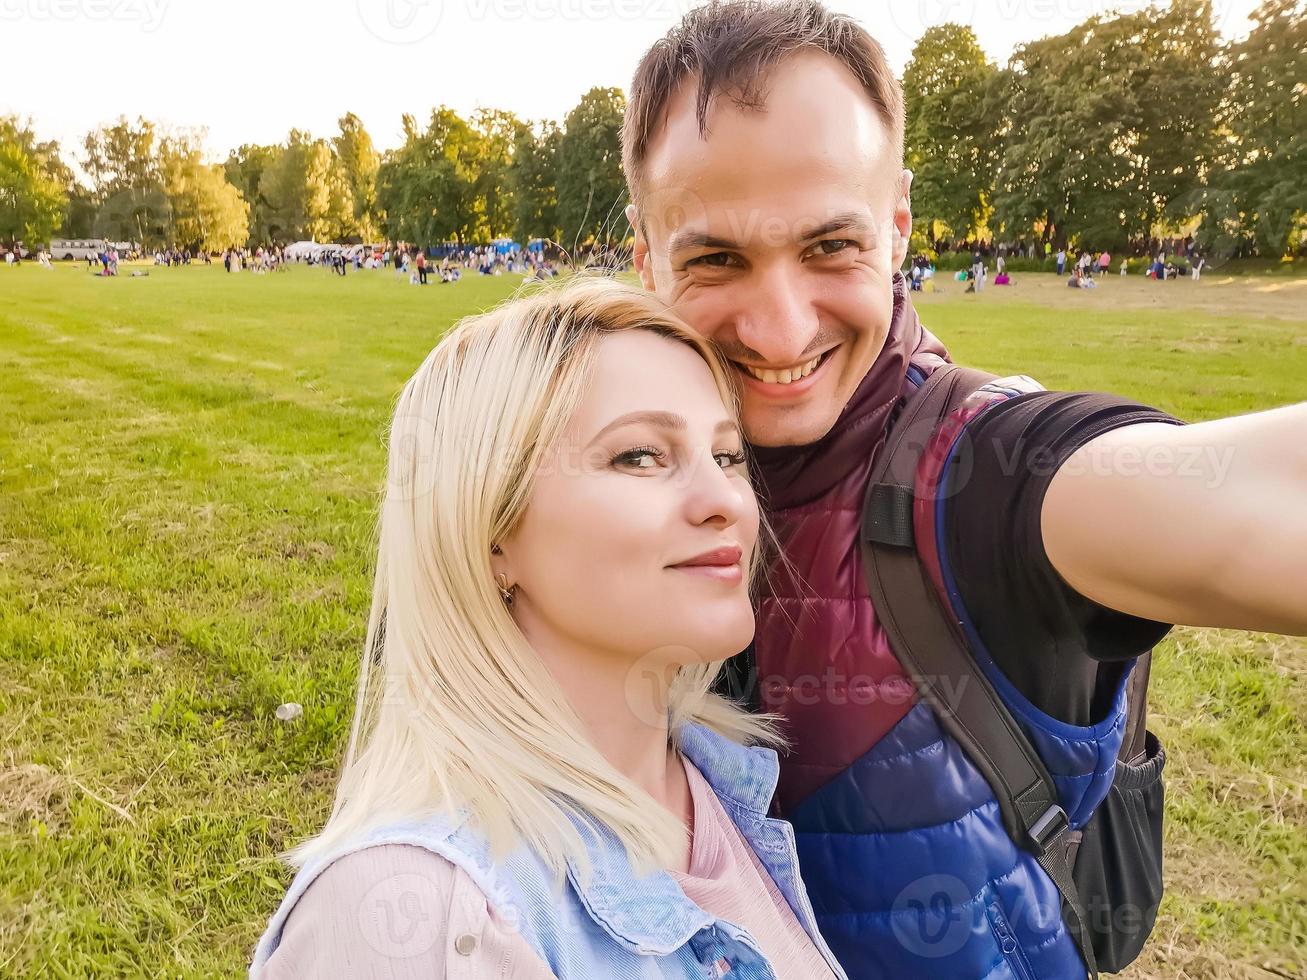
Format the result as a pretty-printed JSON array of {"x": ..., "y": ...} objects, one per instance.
[{"x": 823, "y": 660}]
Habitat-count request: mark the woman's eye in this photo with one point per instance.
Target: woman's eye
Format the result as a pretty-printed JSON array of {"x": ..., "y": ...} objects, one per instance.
[
  {"x": 731, "y": 459},
  {"x": 643, "y": 458}
]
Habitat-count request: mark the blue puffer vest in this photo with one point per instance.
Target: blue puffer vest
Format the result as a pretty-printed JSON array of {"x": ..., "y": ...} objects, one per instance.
[
  {"x": 900, "y": 841},
  {"x": 615, "y": 925}
]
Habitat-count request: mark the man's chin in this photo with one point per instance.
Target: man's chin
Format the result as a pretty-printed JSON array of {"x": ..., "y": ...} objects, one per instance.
[{"x": 767, "y": 426}]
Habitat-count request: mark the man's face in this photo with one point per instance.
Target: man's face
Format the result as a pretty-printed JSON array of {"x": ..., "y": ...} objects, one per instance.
[{"x": 777, "y": 237}]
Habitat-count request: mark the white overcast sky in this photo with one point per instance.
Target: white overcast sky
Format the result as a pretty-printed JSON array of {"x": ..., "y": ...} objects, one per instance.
[{"x": 249, "y": 70}]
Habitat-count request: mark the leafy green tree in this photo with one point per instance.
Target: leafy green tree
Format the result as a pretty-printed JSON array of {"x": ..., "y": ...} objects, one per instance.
[
  {"x": 359, "y": 162},
  {"x": 36, "y": 184},
  {"x": 428, "y": 187},
  {"x": 122, "y": 157},
  {"x": 32, "y": 202},
  {"x": 1258, "y": 192},
  {"x": 950, "y": 142},
  {"x": 498, "y": 133},
  {"x": 532, "y": 175},
  {"x": 122, "y": 161},
  {"x": 592, "y": 194},
  {"x": 206, "y": 210},
  {"x": 307, "y": 193},
  {"x": 1109, "y": 127},
  {"x": 244, "y": 170}
]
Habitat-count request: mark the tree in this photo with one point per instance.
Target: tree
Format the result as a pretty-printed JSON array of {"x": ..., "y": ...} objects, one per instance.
[
  {"x": 122, "y": 157},
  {"x": 591, "y": 187},
  {"x": 498, "y": 133},
  {"x": 359, "y": 162},
  {"x": 32, "y": 202},
  {"x": 122, "y": 161},
  {"x": 35, "y": 184},
  {"x": 532, "y": 175},
  {"x": 428, "y": 187},
  {"x": 1258, "y": 194},
  {"x": 307, "y": 194},
  {"x": 244, "y": 170},
  {"x": 949, "y": 139},
  {"x": 1109, "y": 126},
  {"x": 207, "y": 212}
]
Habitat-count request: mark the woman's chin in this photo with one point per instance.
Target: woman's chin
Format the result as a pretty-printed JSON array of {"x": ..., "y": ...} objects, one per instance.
[{"x": 723, "y": 636}]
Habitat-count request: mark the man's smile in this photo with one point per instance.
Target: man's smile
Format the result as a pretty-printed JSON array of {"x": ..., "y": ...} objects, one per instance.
[{"x": 787, "y": 381}]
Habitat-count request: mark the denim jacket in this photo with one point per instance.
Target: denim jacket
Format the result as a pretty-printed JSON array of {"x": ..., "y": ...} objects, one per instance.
[{"x": 616, "y": 925}]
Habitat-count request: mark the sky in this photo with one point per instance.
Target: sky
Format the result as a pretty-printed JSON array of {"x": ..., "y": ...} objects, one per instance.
[{"x": 249, "y": 70}]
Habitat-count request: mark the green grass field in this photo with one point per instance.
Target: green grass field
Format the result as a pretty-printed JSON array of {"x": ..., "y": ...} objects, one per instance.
[{"x": 189, "y": 466}]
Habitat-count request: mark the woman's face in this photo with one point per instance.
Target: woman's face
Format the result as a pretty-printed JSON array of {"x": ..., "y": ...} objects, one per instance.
[{"x": 648, "y": 477}]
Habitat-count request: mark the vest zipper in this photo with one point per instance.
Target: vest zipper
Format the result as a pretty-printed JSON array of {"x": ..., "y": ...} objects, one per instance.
[
  {"x": 806, "y": 905},
  {"x": 1007, "y": 941}
]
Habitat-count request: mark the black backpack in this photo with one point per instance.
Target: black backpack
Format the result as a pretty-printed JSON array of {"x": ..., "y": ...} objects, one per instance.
[{"x": 1109, "y": 874}]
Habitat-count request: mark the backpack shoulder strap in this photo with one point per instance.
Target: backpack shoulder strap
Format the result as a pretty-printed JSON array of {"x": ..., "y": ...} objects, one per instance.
[{"x": 929, "y": 645}]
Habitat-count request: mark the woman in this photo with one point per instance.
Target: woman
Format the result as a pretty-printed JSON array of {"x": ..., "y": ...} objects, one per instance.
[{"x": 539, "y": 782}]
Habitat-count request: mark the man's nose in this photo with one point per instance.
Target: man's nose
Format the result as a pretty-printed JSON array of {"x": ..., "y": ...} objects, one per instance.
[{"x": 779, "y": 321}]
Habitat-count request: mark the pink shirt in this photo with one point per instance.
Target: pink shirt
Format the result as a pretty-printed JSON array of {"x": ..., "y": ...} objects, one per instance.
[{"x": 400, "y": 912}]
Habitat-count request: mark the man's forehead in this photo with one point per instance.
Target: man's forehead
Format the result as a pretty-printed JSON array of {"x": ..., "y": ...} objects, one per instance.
[{"x": 816, "y": 145}]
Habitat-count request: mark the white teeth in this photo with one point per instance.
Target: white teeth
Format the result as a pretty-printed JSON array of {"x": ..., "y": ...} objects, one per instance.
[{"x": 785, "y": 377}]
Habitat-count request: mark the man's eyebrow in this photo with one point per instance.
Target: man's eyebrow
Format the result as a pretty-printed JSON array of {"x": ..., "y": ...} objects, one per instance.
[
  {"x": 845, "y": 221},
  {"x": 691, "y": 238},
  {"x": 662, "y": 420},
  {"x": 698, "y": 239}
]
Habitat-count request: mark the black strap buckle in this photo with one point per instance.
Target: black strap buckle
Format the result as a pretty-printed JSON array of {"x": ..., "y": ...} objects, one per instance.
[{"x": 1046, "y": 829}]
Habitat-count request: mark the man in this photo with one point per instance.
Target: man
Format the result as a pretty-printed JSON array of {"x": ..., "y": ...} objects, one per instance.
[{"x": 763, "y": 148}]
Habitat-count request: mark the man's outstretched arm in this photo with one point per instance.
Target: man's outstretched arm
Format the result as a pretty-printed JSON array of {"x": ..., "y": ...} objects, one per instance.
[{"x": 1202, "y": 524}]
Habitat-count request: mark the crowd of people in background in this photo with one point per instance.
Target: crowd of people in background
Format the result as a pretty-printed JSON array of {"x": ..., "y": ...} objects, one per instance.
[{"x": 1083, "y": 267}]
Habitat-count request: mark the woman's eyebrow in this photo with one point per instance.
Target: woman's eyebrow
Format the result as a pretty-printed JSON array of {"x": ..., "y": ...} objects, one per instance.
[{"x": 661, "y": 420}]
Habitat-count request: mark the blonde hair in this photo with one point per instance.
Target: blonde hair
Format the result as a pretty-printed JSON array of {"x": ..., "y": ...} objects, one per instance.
[{"x": 453, "y": 708}]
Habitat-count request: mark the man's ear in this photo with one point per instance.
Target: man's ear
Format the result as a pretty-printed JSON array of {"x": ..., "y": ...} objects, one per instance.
[
  {"x": 902, "y": 219},
  {"x": 640, "y": 251}
]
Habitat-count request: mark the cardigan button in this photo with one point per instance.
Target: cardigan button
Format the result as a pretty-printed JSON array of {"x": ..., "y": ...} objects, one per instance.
[{"x": 465, "y": 944}]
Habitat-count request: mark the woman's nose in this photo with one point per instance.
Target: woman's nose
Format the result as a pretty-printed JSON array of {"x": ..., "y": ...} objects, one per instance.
[{"x": 711, "y": 494}]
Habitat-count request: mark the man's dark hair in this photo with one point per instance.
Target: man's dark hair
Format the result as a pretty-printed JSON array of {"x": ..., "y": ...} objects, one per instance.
[{"x": 731, "y": 45}]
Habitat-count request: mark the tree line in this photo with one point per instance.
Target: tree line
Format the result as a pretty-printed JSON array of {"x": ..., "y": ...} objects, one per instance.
[{"x": 1126, "y": 127}]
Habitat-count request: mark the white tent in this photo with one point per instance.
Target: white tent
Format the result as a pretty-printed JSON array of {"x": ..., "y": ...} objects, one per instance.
[{"x": 301, "y": 251}]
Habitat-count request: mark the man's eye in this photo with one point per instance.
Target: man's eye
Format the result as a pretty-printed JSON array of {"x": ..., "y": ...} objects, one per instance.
[
  {"x": 716, "y": 260},
  {"x": 832, "y": 246}
]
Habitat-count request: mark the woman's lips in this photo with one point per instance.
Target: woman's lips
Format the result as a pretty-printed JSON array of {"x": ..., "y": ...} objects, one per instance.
[
  {"x": 720, "y": 573},
  {"x": 721, "y": 564}
]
